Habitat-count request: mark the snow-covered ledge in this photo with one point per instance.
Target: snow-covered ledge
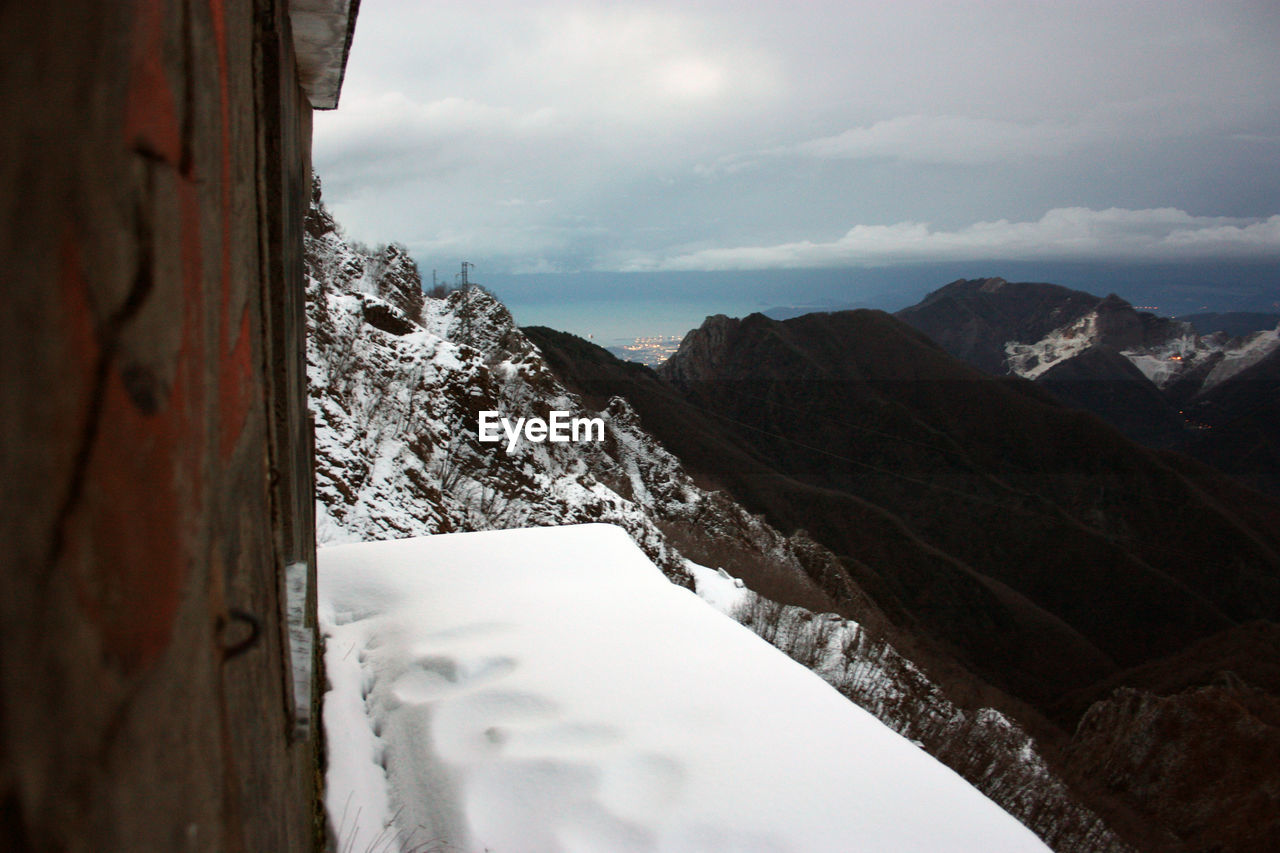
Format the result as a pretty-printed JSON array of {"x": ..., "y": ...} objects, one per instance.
[
  {"x": 321, "y": 39},
  {"x": 549, "y": 689}
]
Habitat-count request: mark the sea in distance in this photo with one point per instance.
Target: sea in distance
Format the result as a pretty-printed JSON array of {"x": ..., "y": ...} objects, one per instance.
[{"x": 612, "y": 309}]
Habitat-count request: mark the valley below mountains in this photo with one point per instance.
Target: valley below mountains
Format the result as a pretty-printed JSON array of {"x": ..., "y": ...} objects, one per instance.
[{"x": 1083, "y": 627}]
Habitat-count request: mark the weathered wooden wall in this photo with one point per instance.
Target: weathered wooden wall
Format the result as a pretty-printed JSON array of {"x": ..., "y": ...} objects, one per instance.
[{"x": 154, "y": 163}]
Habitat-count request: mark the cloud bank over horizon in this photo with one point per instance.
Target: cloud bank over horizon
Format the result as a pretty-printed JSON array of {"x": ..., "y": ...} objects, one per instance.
[
  {"x": 1062, "y": 234},
  {"x": 560, "y": 136}
]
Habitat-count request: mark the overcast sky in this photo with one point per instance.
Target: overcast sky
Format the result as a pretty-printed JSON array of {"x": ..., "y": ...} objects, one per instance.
[{"x": 537, "y": 136}]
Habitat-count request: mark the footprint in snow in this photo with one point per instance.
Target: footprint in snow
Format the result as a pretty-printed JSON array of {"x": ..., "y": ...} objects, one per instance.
[{"x": 430, "y": 679}]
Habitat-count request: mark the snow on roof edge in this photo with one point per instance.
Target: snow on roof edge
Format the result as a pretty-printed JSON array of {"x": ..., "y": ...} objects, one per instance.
[{"x": 322, "y": 32}]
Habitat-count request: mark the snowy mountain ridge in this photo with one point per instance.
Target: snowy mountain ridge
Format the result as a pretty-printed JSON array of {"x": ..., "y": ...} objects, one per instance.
[
  {"x": 398, "y": 380},
  {"x": 396, "y": 414}
]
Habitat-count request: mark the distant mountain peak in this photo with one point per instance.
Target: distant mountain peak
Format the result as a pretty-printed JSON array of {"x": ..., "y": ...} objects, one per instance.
[
  {"x": 698, "y": 350},
  {"x": 1076, "y": 344}
]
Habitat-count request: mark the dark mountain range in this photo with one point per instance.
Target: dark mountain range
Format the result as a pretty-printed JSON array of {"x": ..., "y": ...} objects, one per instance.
[
  {"x": 1199, "y": 384},
  {"x": 1241, "y": 420},
  {"x": 1040, "y": 543},
  {"x": 976, "y": 320},
  {"x": 1101, "y": 380},
  {"x": 1051, "y": 519},
  {"x": 1034, "y": 543}
]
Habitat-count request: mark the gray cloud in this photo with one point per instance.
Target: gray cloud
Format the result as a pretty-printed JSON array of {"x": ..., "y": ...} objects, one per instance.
[
  {"x": 1061, "y": 234},
  {"x": 949, "y": 139},
  {"x": 577, "y": 135}
]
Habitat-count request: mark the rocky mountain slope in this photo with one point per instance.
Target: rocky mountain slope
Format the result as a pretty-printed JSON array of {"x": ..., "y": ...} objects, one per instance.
[
  {"x": 1239, "y": 426},
  {"x": 398, "y": 381},
  {"x": 1035, "y": 543},
  {"x": 1038, "y": 540},
  {"x": 1225, "y": 736},
  {"x": 397, "y": 384}
]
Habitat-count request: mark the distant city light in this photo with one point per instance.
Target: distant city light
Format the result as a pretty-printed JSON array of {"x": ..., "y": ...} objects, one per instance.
[{"x": 651, "y": 350}]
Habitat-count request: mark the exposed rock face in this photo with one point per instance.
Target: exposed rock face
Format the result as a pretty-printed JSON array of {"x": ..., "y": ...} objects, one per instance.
[
  {"x": 387, "y": 272},
  {"x": 700, "y": 350},
  {"x": 1204, "y": 762},
  {"x": 397, "y": 278},
  {"x": 384, "y": 316}
]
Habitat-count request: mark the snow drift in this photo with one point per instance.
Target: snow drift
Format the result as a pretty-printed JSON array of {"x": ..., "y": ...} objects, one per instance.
[{"x": 548, "y": 689}]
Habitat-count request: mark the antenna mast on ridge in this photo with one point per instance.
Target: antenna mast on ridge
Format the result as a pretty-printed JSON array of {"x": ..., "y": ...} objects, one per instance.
[{"x": 464, "y": 312}]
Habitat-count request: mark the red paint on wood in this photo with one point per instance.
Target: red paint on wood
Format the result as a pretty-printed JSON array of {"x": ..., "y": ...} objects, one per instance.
[
  {"x": 151, "y": 115},
  {"x": 235, "y": 386},
  {"x": 128, "y": 530},
  {"x": 235, "y": 360},
  {"x": 77, "y": 312},
  {"x": 139, "y": 510},
  {"x": 131, "y": 531}
]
